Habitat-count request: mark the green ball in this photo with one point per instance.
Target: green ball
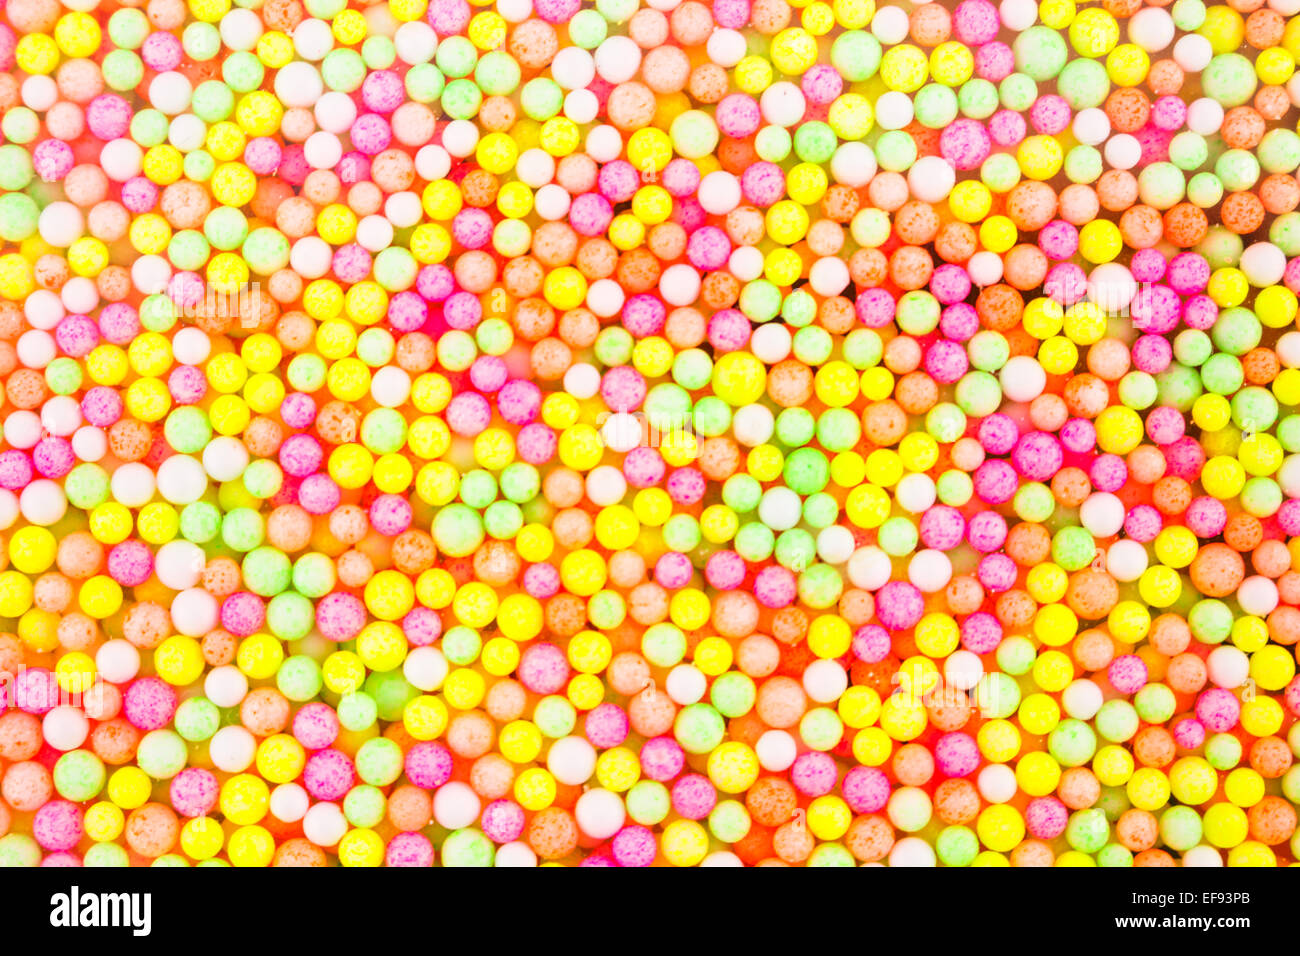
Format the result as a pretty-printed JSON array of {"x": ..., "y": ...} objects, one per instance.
[
  {"x": 648, "y": 802},
  {"x": 1117, "y": 721},
  {"x": 357, "y": 711},
  {"x": 457, "y": 530},
  {"x": 79, "y": 776},
  {"x": 364, "y": 806},
  {"x": 1040, "y": 53},
  {"x": 555, "y": 716},
  {"x": 19, "y": 850},
  {"x": 299, "y": 678},
  {"x": 467, "y": 847},
  {"x": 1088, "y": 830},
  {"x": 733, "y": 694},
  {"x": 699, "y": 728},
  {"x": 1229, "y": 80},
  {"x": 957, "y": 846},
  {"x": 379, "y": 761},
  {"x": 162, "y": 754},
  {"x": 1072, "y": 742},
  {"x": 197, "y": 719}
]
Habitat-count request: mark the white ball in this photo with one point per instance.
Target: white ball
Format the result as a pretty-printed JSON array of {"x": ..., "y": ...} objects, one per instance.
[
  {"x": 782, "y": 104},
  {"x": 432, "y": 162},
  {"x": 191, "y": 346},
  {"x": 60, "y": 224},
  {"x": 415, "y": 42},
  {"x": 44, "y": 309},
  {"x": 289, "y": 802},
  {"x": 894, "y": 109},
  {"x": 870, "y": 568},
  {"x": 240, "y": 29},
  {"x": 1082, "y": 699},
  {"x": 324, "y": 824},
  {"x": 604, "y": 297},
  {"x": 150, "y": 274},
  {"x": 1204, "y": 855},
  {"x": 931, "y": 178},
  {"x": 726, "y": 47},
  {"x": 721, "y": 858},
  {"x": 1022, "y": 378},
  {"x": 780, "y": 508},
  {"x": 61, "y": 415},
  {"x": 835, "y": 544},
  {"x": 391, "y": 386},
  {"x": 179, "y": 564},
  {"x": 1102, "y": 514},
  {"x": 1193, "y": 52},
  {"x": 606, "y": 486},
  {"x": 225, "y": 458},
  {"x": 829, "y": 276},
  {"x": 985, "y": 268},
  {"x": 571, "y": 760},
  {"x": 455, "y": 805},
  {"x": 194, "y": 612},
  {"x": 599, "y": 813},
  {"x": 753, "y": 424},
  {"x": 746, "y": 263},
  {"x": 930, "y": 570},
  {"x": 890, "y": 25},
  {"x": 996, "y": 783},
  {"x": 43, "y": 502},
  {"x": 1111, "y": 286},
  {"x": 1122, "y": 151},
  {"x": 912, "y": 851},
  {"x": 1227, "y": 666},
  {"x": 515, "y": 855},
  {"x": 582, "y": 380},
  {"x": 374, "y": 233},
  {"x": 824, "y": 681},
  {"x": 8, "y": 508},
  {"x": 581, "y": 106},
  {"x": 89, "y": 443},
  {"x": 618, "y": 59},
  {"x": 604, "y": 143},
  {"x": 323, "y": 150},
  {"x": 232, "y": 749},
  {"x": 854, "y": 164},
  {"x": 776, "y": 751},
  {"x": 1091, "y": 126},
  {"x": 771, "y": 342},
  {"x": 679, "y": 285},
  {"x": 79, "y": 295},
  {"x": 1263, "y": 263},
  {"x": 187, "y": 132},
  {"x": 686, "y": 685},
  {"x": 1126, "y": 559},
  {"x": 39, "y": 93},
  {"x": 65, "y": 727},
  {"x": 963, "y": 669},
  {"x": 459, "y": 138},
  {"x": 117, "y": 660},
  {"x": 552, "y": 202},
  {"x": 536, "y": 167},
  {"x": 403, "y": 209},
  {"x": 132, "y": 484},
  {"x": 1288, "y": 349},
  {"x": 573, "y": 68},
  {"x": 1018, "y": 15},
  {"x": 311, "y": 257},
  {"x": 1204, "y": 116},
  {"x": 425, "y": 668},
  {"x": 170, "y": 93},
  {"x": 35, "y": 348},
  {"x": 1257, "y": 595},
  {"x": 621, "y": 432},
  {"x": 225, "y": 686},
  {"x": 182, "y": 480},
  {"x": 22, "y": 428},
  {"x": 1151, "y": 28},
  {"x": 719, "y": 193},
  {"x": 312, "y": 39},
  {"x": 915, "y": 492}
]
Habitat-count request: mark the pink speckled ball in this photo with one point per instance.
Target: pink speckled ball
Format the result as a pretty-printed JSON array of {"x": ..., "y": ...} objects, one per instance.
[
  {"x": 149, "y": 703},
  {"x": 329, "y": 775},
  {"x": 409, "y": 849},
  {"x": 57, "y": 825},
  {"x": 543, "y": 669},
  {"x": 194, "y": 792}
]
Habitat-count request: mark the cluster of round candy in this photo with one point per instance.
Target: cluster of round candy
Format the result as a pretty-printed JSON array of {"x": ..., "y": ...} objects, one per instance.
[{"x": 701, "y": 432}]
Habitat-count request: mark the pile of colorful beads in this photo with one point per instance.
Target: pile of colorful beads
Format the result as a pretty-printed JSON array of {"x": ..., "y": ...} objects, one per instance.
[{"x": 649, "y": 432}]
